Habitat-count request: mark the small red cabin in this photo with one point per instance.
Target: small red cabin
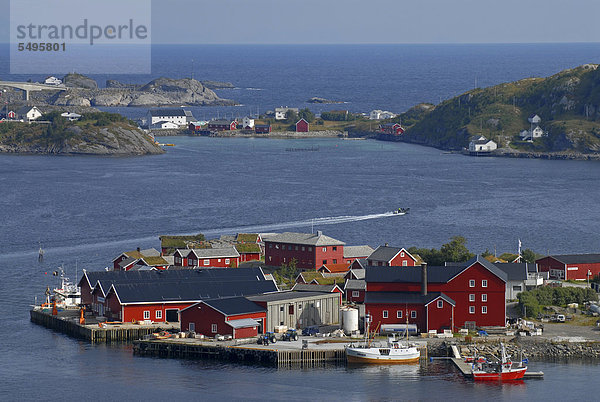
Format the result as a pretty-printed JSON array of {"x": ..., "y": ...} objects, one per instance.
[
  {"x": 302, "y": 126},
  {"x": 262, "y": 128}
]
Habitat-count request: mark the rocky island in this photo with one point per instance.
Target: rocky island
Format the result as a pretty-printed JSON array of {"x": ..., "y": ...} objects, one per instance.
[
  {"x": 83, "y": 91},
  {"x": 95, "y": 134}
]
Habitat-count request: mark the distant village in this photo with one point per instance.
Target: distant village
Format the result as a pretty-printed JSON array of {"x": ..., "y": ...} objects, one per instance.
[{"x": 232, "y": 285}]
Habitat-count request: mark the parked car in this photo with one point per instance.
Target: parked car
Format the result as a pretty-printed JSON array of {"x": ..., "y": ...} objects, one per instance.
[{"x": 312, "y": 330}]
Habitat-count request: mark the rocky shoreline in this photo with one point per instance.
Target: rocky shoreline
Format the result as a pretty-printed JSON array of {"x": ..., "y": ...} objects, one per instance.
[{"x": 531, "y": 347}]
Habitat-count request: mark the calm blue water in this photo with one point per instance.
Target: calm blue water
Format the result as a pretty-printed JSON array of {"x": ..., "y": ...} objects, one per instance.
[{"x": 86, "y": 210}]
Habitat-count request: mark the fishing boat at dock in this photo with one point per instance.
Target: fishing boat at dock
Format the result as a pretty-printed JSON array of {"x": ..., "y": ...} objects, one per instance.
[{"x": 503, "y": 370}]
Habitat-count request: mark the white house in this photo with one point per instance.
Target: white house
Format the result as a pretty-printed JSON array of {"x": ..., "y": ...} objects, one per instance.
[
  {"x": 381, "y": 115},
  {"x": 281, "y": 111},
  {"x": 71, "y": 116},
  {"x": 534, "y": 119},
  {"x": 248, "y": 123},
  {"x": 530, "y": 135},
  {"x": 29, "y": 113},
  {"x": 482, "y": 144},
  {"x": 52, "y": 81},
  {"x": 164, "y": 125},
  {"x": 179, "y": 117}
]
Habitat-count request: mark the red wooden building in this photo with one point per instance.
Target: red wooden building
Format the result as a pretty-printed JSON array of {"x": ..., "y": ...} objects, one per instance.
[
  {"x": 225, "y": 257},
  {"x": 262, "y": 128},
  {"x": 222, "y": 125},
  {"x": 391, "y": 128},
  {"x": 126, "y": 260},
  {"x": 248, "y": 251},
  {"x": 354, "y": 290},
  {"x": 310, "y": 251},
  {"x": 577, "y": 267},
  {"x": 476, "y": 288},
  {"x": 235, "y": 316},
  {"x": 385, "y": 256},
  {"x": 302, "y": 126}
]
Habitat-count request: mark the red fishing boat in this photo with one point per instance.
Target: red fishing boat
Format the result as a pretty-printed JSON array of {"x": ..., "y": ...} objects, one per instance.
[{"x": 504, "y": 370}]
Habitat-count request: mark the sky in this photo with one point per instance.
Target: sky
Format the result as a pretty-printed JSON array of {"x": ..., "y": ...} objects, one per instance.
[{"x": 363, "y": 21}]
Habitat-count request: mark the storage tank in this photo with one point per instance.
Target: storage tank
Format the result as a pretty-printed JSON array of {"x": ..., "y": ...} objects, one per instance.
[{"x": 349, "y": 320}]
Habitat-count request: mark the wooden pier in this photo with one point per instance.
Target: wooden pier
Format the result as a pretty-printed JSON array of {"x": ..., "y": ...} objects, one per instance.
[
  {"x": 68, "y": 324},
  {"x": 465, "y": 369},
  {"x": 192, "y": 349}
]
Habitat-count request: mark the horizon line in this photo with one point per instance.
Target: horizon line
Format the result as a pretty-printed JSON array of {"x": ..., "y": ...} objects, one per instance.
[{"x": 351, "y": 43}]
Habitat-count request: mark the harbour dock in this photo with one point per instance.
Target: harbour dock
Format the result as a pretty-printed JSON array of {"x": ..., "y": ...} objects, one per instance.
[{"x": 67, "y": 322}]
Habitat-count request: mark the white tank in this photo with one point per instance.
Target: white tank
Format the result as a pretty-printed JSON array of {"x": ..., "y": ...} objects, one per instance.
[{"x": 349, "y": 320}]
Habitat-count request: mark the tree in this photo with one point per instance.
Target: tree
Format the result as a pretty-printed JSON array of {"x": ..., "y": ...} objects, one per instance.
[
  {"x": 530, "y": 256},
  {"x": 307, "y": 115},
  {"x": 291, "y": 116},
  {"x": 287, "y": 273},
  {"x": 456, "y": 250}
]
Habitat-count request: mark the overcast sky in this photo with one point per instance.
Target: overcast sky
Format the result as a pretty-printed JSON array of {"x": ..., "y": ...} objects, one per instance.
[{"x": 365, "y": 21}]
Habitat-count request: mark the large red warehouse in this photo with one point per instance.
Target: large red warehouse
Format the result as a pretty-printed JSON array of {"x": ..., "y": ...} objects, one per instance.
[
  {"x": 235, "y": 316},
  {"x": 310, "y": 251},
  {"x": 577, "y": 267},
  {"x": 477, "y": 289}
]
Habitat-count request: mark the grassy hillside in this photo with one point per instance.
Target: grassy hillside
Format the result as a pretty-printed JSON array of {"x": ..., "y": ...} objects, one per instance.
[{"x": 567, "y": 102}]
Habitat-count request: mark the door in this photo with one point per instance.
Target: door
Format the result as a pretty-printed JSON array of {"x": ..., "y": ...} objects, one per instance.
[{"x": 172, "y": 315}]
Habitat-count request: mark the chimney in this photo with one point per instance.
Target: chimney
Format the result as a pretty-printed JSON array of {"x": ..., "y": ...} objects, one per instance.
[
  {"x": 138, "y": 250},
  {"x": 319, "y": 233},
  {"x": 386, "y": 244},
  {"x": 424, "y": 279}
]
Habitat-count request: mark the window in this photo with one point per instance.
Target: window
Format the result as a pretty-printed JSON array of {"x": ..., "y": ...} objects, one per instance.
[
  {"x": 471, "y": 309},
  {"x": 318, "y": 304},
  {"x": 192, "y": 326},
  {"x": 398, "y": 313},
  {"x": 483, "y": 309},
  {"x": 413, "y": 314},
  {"x": 324, "y": 262},
  {"x": 277, "y": 246},
  {"x": 158, "y": 314},
  {"x": 290, "y": 248},
  {"x": 334, "y": 261},
  {"x": 310, "y": 249},
  {"x": 402, "y": 254},
  {"x": 270, "y": 258},
  {"x": 385, "y": 314},
  {"x": 270, "y": 245},
  {"x": 404, "y": 263},
  {"x": 324, "y": 249},
  {"x": 191, "y": 262},
  {"x": 147, "y": 315},
  {"x": 296, "y": 248},
  {"x": 472, "y": 297},
  {"x": 291, "y": 309},
  {"x": 281, "y": 309},
  {"x": 206, "y": 262},
  {"x": 440, "y": 304},
  {"x": 213, "y": 328},
  {"x": 484, "y": 283},
  {"x": 227, "y": 260},
  {"x": 484, "y": 297},
  {"x": 472, "y": 283},
  {"x": 303, "y": 248},
  {"x": 334, "y": 248},
  {"x": 517, "y": 288},
  {"x": 355, "y": 293}
]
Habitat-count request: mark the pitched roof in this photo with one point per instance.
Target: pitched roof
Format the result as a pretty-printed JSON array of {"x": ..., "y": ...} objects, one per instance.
[
  {"x": 288, "y": 295},
  {"x": 168, "y": 112},
  {"x": 404, "y": 298},
  {"x": 242, "y": 323},
  {"x": 308, "y": 287},
  {"x": 514, "y": 271},
  {"x": 178, "y": 291},
  {"x": 234, "y": 305},
  {"x": 357, "y": 251},
  {"x": 221, "y": 122},
  {"x": 577, "y": 258},
  {"x": 357, "y": 273},
  {"x": 154, "y": 261},
  {"x": 355, "y": 284},
  {"x": 223, "y": 252},
  {"x": 309, "y": 239},
  {"x": 127, "y": 261},
  {"x": 434, "y": 274},
  {"x": 247, "y": 248},
  {"x": 386, "y": 253},
  {"x": 335, "y": 268},
  {"x": 247, "y": 237}
]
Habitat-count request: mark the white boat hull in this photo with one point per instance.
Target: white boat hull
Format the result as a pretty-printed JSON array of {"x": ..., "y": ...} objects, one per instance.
[{"x": 383, "y": 355}]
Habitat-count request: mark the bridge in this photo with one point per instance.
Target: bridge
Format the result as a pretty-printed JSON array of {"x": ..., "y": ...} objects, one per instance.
[{"x": 26, "y": 87}]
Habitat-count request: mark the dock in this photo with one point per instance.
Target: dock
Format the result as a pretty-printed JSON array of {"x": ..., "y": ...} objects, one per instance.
[
  {"x": 465, "y": 369},
  {"x": 285, "y": 356},
  {"x": 67, "y": 322}
]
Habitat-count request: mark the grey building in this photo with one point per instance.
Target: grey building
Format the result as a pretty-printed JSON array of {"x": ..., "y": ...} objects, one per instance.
[{"x": 299, "y": 309}]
